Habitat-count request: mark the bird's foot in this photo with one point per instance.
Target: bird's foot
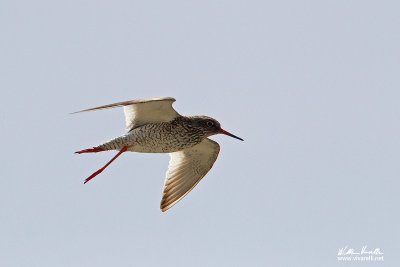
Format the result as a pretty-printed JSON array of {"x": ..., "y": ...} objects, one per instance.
[
  {"x": 105, "y": 166},
  {"x": 90, "y": 150}
]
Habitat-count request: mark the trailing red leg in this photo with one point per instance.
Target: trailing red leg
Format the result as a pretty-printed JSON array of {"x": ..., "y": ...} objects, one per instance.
[
  {"x": 90, "y": 150},
  {"x": 105, "y": 166}
]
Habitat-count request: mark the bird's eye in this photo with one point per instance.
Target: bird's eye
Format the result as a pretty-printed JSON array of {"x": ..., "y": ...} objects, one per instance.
[{"x": 210, "y": 124}]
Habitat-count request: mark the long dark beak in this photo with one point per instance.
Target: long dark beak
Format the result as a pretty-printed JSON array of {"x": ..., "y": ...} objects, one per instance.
[{"x": 228, "y": 133}]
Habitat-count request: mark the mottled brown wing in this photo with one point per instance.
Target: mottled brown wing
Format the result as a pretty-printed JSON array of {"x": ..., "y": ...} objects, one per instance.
[
  {"x": 186, "y": 169},
  {"x": 143, "y": 111}
]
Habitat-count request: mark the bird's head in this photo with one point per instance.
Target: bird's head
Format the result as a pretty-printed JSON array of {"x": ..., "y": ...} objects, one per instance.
[{"x": 210, "y": 126}]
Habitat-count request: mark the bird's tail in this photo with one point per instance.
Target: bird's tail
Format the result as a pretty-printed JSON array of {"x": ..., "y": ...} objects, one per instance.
[{"x": 114, "y": 144}]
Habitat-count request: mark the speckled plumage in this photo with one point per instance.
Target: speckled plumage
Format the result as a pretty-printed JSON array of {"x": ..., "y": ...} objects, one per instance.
[
  {"x": 161, "y": 137},
  {"x": 155, "y": 127}
]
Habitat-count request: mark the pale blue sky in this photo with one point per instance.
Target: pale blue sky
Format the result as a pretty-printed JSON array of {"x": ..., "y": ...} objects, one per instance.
[{"x": 312, "y": 87}]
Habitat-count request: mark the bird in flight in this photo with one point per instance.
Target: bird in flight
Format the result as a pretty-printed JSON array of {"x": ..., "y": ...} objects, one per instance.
[{"x": 155, "y": 127}]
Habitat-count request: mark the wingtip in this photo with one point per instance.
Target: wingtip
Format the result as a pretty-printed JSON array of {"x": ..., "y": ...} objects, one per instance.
[
  {"x": 130, "y": 102},
  {"x": 81, "y": 111},
  {"x": 164, "y": 208}
]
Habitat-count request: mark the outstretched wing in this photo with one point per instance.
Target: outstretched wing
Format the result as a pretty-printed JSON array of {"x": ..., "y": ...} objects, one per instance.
[
  {"x": 143, "y": 111},
  {"x": 186, "y": 169}
]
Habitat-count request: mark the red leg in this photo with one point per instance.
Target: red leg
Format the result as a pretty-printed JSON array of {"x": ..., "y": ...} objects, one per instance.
[
  {"x": 105, "y": 166},
  {"x": 90, "y": 150}
]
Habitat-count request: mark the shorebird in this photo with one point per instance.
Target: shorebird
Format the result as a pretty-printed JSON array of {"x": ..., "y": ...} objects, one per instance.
[{"x": 155, "y": 127}]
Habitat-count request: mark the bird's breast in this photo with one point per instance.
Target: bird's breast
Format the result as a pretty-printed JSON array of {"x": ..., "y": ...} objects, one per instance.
[{"x": 162, "y": 138}]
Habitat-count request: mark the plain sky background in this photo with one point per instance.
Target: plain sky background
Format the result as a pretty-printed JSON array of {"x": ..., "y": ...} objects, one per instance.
[{"x": 312, "y": 87}]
